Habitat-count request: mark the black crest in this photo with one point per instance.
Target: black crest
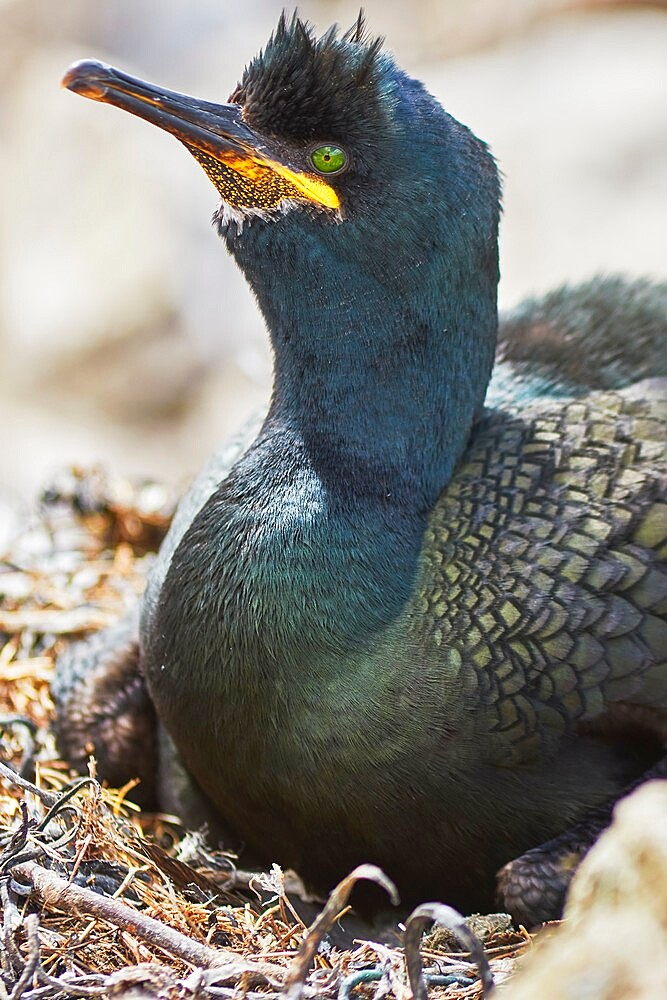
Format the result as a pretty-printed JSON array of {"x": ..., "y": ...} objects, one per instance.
[{"x": 301, "y": 87}]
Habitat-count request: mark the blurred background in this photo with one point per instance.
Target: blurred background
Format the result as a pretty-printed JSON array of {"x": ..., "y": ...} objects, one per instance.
[{"x": 127, "y": 336}]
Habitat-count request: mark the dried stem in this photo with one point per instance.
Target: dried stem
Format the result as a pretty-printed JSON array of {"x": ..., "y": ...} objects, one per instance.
[
  {"x": 48, "y": 798},
  {"x": 298, "y": 970},
  {"x": 54, "y": 891},
  {"x": 453, "y": 921}
]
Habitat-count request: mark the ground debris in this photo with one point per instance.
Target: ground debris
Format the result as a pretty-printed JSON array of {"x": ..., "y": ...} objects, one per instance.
[
  {"x": 114, "y": 508},
  {"x": 98, "y": 899}
]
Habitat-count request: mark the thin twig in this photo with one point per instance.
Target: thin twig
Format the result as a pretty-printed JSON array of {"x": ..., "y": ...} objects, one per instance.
[
  {"x": 31, "y": 924},
  {"x": 48, "y": 798},
  {"x": 11, "y": 918},
  {"x": 54, "y": 891},
  {"x": 74, "y": 988}
]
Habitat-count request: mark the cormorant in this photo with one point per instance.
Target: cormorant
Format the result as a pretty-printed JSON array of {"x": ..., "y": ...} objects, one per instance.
[{"x": 393, "y": 626}]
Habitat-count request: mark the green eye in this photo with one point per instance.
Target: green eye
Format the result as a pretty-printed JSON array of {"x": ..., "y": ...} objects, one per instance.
[{"x": 328, "y": 159}]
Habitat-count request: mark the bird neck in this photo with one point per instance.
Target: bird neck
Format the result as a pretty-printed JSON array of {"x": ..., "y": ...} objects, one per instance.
[
  {"x": 312, "y": 543},
  {"x": 381, "y": 361}
]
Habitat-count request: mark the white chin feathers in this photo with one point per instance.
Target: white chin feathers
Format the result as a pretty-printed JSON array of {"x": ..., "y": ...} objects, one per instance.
[{"x": 233, "y": 220}]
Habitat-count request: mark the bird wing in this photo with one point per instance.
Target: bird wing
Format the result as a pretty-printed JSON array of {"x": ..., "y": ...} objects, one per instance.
[
  {"x": 575, "y": 340},
  {"x": 543, "y": 581}
]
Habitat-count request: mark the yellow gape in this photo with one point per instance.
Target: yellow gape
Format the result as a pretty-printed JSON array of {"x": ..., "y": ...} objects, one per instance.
[{"x": 244, "y": 182}]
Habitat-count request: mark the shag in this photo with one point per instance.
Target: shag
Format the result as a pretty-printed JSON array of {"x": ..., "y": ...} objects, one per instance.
[{"x": 396, "y": 626}]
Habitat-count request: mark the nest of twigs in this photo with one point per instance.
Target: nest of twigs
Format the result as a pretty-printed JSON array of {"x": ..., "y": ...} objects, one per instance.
[{"x": 97, "y": 898}]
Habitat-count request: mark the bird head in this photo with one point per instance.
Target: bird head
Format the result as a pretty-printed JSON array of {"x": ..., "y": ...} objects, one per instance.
[{"x": 325, "y": 128}]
